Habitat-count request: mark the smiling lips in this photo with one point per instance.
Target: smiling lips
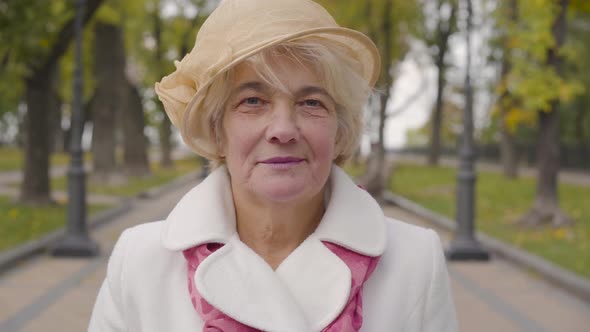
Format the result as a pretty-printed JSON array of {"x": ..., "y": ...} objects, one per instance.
[{"x": 282, "y": 162}]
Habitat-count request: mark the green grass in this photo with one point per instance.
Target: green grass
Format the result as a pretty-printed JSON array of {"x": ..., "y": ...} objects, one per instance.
[
  {"x": 136, "y": 185},
  {"x": 499, "y": 203},
  {"x": 11, "y": 159},
  {"x": 21, "y": 223},
  {"x": 354, "y": 170}
]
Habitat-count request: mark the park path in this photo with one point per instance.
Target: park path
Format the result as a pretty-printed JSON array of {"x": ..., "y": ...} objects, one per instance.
[{"x": 57, "y": 294}]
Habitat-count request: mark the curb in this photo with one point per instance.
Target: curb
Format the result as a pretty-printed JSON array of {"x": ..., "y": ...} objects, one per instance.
[
  {"x": 13, "y": 257},
  {"x": 576, "y": 285}
]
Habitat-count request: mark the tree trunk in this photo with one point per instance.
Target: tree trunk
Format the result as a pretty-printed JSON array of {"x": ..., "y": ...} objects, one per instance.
[
  {"x": 377, "y": 173},
  {"x": 546, "y": 209},
  {"x": 435, "y": 137},
  {"x": 508, "y": 152},
  {"x": 581, "y": 113},
  {"x": 35, "y": 188},
  {"x": 56, "y": 137},
  {"x": 109, "y": 98},
  {"x": 165, "y": 142},
  {"x": 135, "y": 158},
  {"x": 443, "y": 32},
  {"x": 165, "y": 130},
  {"x": 377, "y": 170}
]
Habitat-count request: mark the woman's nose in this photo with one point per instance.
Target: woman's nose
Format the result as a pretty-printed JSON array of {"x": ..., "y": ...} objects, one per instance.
[{"x": 282, "y": 127}]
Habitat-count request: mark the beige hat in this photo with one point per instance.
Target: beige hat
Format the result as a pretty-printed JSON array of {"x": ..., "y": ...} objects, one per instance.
[{"x": 236, "y": 30}]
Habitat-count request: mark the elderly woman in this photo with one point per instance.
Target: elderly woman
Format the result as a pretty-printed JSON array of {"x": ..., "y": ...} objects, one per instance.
[{"x": 277, "y": 237}]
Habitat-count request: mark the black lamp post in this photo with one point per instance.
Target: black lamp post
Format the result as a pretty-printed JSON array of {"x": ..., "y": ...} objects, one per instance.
[
  {"x": 77, "y": 243},
  {"x": 464, "y": 245}
]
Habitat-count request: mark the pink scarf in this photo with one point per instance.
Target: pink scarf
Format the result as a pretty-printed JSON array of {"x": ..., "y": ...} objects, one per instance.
[{"x": 349, "y": 320}]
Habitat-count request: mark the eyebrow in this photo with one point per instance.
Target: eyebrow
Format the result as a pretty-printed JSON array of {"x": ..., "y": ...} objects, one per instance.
[
  {"x": 252, "y": 85},
  {"x": 264, "y": 88},
  {"x": 311, "y": 89}
]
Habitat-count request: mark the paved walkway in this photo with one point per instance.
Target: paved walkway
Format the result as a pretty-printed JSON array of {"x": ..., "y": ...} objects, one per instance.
[
  {"x": 51, "y": 294},
  {"x": 499, "y": 296}
]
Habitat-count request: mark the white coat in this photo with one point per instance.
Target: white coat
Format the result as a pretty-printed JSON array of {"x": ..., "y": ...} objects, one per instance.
[{"x": 146, "y": 286}]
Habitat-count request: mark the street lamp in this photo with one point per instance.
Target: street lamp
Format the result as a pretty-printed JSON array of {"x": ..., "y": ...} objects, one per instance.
[
  {"x": 464, "y": 245},
  {"x": 77, "y": 243}
]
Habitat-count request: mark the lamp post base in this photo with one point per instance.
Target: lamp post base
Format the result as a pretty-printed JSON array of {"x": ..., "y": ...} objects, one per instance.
[
  {"x": 75, "y": 246},
  {"x": 466, "y": 251}
]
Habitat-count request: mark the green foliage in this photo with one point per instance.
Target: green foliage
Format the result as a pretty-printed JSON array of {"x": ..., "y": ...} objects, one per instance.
[
  {"x": 368, "y": 17},
  {"x": 575, "y": 120},
  {"x": 532, "y": 81},
  {"x": 528, "y": 85},
  {"x": 355, "y": 170},
  {"x": 111, "y": 12},
  {"x": 500, "y": 202},
  {"x": 28, "y": 28},
  {"x": 581, "y": 6}
]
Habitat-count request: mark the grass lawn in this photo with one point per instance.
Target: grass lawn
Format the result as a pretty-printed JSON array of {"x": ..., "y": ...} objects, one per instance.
[
  {"x": 499, "y": 203},
  {"x": 354, "y": 170},
  {"x": 11, "y": 159},
  {"x": 19, "y": 223},
  {"x": 136, "y": 185}
]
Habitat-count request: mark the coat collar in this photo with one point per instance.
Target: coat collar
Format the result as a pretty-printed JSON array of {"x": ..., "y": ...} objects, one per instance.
[
  {"x": 311, "y": 286},
  {"x": 352, "y": 219}
]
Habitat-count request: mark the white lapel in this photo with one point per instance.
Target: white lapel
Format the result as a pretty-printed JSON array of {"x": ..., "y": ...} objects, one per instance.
[
  {"x": 353, "y": 219},
  {"x": 205, "y": 214},
  {"x": 318, "y": 280},
  {"x": 310, "y": 287},
  {"x": 238, "y": 282}
]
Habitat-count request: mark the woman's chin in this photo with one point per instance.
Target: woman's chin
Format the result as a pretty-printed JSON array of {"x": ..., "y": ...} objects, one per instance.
[{"x": 282, "y": 193}]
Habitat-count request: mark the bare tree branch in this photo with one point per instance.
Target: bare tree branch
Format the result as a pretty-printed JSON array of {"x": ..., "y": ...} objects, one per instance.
[{"x": 410, "y": 99}]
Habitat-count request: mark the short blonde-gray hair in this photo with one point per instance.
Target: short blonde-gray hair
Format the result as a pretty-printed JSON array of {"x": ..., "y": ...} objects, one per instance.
[{"x": 335, "y": 67}]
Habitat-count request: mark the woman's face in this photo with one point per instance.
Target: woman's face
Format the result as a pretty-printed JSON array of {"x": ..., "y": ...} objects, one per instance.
[{"x": 279, "y": 145}]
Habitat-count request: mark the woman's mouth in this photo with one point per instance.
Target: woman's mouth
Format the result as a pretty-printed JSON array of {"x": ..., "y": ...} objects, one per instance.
[{"x": 282, "y": 163}]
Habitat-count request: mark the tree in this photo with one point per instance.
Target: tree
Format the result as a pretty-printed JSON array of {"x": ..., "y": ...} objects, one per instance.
[
  {"x": 546, "y": 208},
  {"x": 575, "y": 127},
  {"x": 35, "y": 186},
  {"x": 108, "y": 100},
  {"x": 444, "y": 15},
  {"x": 135, "y": 157},
  {"x": 389, "y": 24},
  {"x": 507, "y": 105},
  {"x": 165, "y": 130},
  {"x": 117, "y": 102}
]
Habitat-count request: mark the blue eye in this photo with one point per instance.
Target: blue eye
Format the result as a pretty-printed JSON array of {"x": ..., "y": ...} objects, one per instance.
[
  {"x": 312, "y": 103},
  {"x": 252, "y": 101}
]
